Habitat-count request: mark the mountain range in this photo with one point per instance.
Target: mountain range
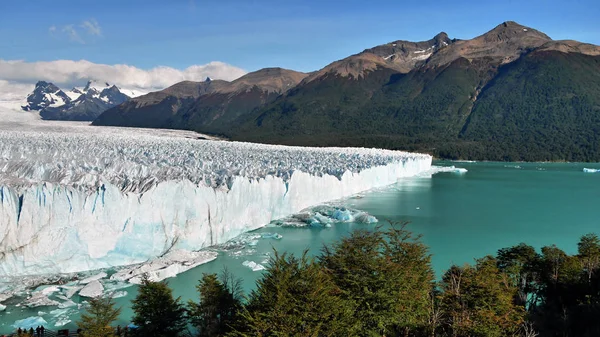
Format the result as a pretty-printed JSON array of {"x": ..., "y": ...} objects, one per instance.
[
  {"x": 78, "y": 104},
  {"x": 512, "y": 93}
]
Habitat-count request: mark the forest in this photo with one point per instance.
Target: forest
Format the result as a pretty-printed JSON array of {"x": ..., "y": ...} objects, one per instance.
[{"x": 379, "y": 283}]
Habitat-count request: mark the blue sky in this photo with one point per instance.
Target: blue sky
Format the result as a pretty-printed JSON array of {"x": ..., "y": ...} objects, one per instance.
[{"x": 301, "y": 35}]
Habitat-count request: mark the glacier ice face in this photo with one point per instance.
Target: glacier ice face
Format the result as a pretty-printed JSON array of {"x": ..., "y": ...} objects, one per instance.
[{"x": 84, "y": 198}]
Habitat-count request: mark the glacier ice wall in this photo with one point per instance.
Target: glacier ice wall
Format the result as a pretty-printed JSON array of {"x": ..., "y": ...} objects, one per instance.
[{"x": 75, "y": 201}]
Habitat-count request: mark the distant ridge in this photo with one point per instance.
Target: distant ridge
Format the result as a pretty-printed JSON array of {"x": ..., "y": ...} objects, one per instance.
[{"x": 511, "y": 93}]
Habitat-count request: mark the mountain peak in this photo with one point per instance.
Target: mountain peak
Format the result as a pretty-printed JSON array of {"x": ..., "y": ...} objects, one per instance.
[
  {"x": 510, "y": 30},
  {"x": 88, "y": 86}
]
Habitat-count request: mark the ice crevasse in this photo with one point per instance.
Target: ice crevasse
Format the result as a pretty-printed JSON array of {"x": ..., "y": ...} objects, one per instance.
[{"x": 70, "y": 203}]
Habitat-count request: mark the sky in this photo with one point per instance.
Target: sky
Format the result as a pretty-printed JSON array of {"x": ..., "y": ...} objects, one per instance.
[{"x": 159, "y": 42}]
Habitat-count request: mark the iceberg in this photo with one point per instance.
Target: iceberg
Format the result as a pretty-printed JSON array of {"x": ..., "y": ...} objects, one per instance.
[
  {"x": 92, "y": 289},
  {"x": 253, "y": 265},
  {"x": 590, "y": 170},
  {"x": 94, "y": 198},
  {"x": 29, "y": 322}
]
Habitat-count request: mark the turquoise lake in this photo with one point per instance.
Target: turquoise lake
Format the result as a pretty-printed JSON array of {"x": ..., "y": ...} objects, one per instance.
[{"x": 461, "y": 217}]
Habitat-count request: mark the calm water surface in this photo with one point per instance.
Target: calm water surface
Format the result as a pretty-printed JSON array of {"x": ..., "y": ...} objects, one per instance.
[{"x": 461, "y": 217}]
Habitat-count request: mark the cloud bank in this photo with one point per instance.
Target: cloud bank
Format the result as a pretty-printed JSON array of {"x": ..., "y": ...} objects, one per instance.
[{"x": 17, "y": 78}]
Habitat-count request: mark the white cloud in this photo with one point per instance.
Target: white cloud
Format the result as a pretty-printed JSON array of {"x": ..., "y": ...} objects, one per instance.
[
  {"x": 92, "y": 27},
  {"x": 52, "y": 29},
  {"x": 18, "y": 77},
  {"x": 72, "y": 34}
]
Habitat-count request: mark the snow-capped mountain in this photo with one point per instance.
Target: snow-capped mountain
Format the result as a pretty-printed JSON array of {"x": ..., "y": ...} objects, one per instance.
[{"x": 77, "y": 104}]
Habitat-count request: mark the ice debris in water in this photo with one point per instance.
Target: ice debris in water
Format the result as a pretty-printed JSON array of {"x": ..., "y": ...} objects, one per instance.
[
  {"x": 169, "y": 265},
  {"x": 253, "y": 265},
  {"x": 325, "y": 216},
  {"x": 590, "y": 170},
  {"x": 92, "y": 289},
  {"x": 29, "y": 322}
]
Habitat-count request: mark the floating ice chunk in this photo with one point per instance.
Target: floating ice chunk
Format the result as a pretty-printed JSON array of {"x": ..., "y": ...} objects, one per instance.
[
  {"x": 93, "y": 278},
  {"x": 67, "y": 304},
  {"x": 275, "y": 236},
  {"x": 253, "y": 265},
  {"x": 29, "y": 322},
  {"x": 92, "y": 289},
  {"x": 62, "y": 321},
  {"x": 590, "y": 170},
  {"x": 342, "y": 215},
  {"x": 173, "y": 263},
  {"x": 39, "y": 299},
  {"x": 118, "y": 294},
  {"x": 2, "y": 307},
  {"x": 47, "y": 289},
  {"x": 443, "y": 169},
  {"x": 69, "y": 291},
  {"x": 42, "y": 313}
]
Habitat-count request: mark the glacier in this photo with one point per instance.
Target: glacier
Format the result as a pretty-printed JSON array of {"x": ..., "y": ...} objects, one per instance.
[{"x": 75, "y": 197}]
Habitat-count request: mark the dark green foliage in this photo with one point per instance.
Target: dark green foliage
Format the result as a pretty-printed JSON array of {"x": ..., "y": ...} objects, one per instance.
[
  {"x": 544, "y": 106},
  {"x": 220, "y": 301},
  {"x": 97, "y": 320},
  {"x": 296, "y": 297},
  {"x": 521, "y": 264},
  {"x": 380, "y": 283},
  {"x": 385, "y": 277},
  {"x": 478, "y": 301},
  {"x": 156, "y": 312}
]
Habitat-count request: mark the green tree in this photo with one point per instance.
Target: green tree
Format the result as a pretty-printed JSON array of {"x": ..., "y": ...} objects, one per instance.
[
  {"x": 479, "y": 301},
  {"x": 521, "y": 264},
  {"x": 589, "y": 252},
  {"x": 156, "y": 312},
  {"x": 295, "y": 297},
  {"x": 220, "y": 301},
  {"x": 99, "y": 316},
  {"x": 387, "y": 277}
]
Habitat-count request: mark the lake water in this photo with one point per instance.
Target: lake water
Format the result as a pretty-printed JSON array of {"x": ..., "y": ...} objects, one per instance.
[{"x": 461, "y": 217}]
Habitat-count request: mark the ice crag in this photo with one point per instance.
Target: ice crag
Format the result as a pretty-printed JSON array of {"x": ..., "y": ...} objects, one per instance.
[{"x": 83, "y": 198}]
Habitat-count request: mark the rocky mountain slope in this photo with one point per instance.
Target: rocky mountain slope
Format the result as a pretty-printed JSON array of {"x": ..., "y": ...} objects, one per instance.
[
  {"x": 512, "y": 93},
  {"x": 84, "y": 104},
  {"x": 211, "y": 105}
]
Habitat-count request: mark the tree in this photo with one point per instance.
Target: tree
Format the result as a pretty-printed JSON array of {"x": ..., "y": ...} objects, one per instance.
[
  {"x": 589, "y": 252},
  {"x": 296, "y": 297},
  {"x": 521, "y": 264},
  {"x": 386, "y": 276},
  {"x": 479, "y": 301},
  {"x": 96, "y": 322},
  {"x": 156, "y": 312},
  {"x": 220, "y": 301}
]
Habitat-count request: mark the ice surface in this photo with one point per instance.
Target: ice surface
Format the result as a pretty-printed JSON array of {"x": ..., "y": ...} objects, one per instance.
[
  {"x": 92, "y": 289},
  {"x": 75, "y": 197},
  {"x": 30, "y": 322}
]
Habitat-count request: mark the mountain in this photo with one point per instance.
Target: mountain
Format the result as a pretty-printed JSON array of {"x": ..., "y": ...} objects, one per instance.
[
  {"x": 211, "y": 105},
  {"x": 509, "y": 94},
  {"x": 512, "y": 93},
  {"x": 76, "y": 105}
]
